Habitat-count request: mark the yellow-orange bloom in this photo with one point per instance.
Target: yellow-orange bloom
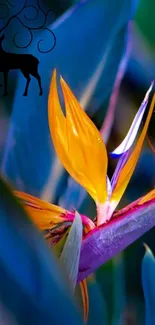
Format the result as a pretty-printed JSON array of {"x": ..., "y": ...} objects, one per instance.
[
  {"x": 82, "y": 151},
  {"x": 77, "y": 142},
  {"x": 44, "y": 215}
]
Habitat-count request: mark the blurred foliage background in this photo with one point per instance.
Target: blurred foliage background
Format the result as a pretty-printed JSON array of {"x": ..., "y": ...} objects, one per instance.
[{"x": 119, "y": 287}]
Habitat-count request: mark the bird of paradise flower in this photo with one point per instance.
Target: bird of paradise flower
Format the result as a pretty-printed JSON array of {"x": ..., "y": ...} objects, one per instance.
[{"x": 82, "y": 151}]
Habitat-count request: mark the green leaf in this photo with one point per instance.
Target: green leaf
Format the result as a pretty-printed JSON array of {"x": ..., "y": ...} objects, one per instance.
[
  {"x": 97, "y": 304},
  {"x": 148, "y": 273},
  {"x": 71, "y": 253},
  {"x": 118, "y": 288}
]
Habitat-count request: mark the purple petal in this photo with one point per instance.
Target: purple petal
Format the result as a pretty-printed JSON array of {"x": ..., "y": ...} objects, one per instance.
[
  {"x": 108, "y": 240},
  {"x": 131, "y": 135},
  {"x": 118, "y": 168}
]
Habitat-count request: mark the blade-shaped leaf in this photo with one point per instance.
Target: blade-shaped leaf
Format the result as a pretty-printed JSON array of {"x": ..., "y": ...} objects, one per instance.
[
  {"x": 98, "y": 307},
  {"x": 148, "y": 272},
  {"x": 110, "y": 114},
  {"x": 84, "y": 51},
  {"x": 31, "y": 284},
  {"x": 71, "y": 253},
  {"x": 108, "y": 240},
  {"x": 118, "y": 288}
]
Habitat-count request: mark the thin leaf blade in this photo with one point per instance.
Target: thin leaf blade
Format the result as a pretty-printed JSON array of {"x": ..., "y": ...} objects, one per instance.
[
  {"x": 148, "y": 271},
  {"x": 71, "y": 252}
]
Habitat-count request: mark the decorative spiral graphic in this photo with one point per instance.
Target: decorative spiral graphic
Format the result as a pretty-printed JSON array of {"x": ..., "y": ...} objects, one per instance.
[{"x": 26, "y": 9}]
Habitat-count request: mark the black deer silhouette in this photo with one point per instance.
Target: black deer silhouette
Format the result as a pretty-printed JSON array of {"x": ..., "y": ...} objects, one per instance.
[{"x": 27, "y": 63}]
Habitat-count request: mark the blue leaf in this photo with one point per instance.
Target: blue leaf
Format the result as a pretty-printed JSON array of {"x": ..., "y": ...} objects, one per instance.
[
  {"x": 31, "y": 284},
  {"x": 118, "y": 288},
  {"x": 97, "y": 304},
  {"x": 71, "y": 252},
  {"x": 141, "y": 64},
  {"x": 148, "y": 272},
  {"x": 91, "y": 39}
]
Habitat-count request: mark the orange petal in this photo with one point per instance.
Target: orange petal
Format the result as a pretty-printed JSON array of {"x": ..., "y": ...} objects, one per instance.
[
  {"x": 57, "y": 121},
  {"x": 130, "y": 165},
  {"x": 44, "y": 215},
  {"x": 85, "y": 299},
  {"x": 149, "y": 196},
  {"x": 81, "y": 151}
]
